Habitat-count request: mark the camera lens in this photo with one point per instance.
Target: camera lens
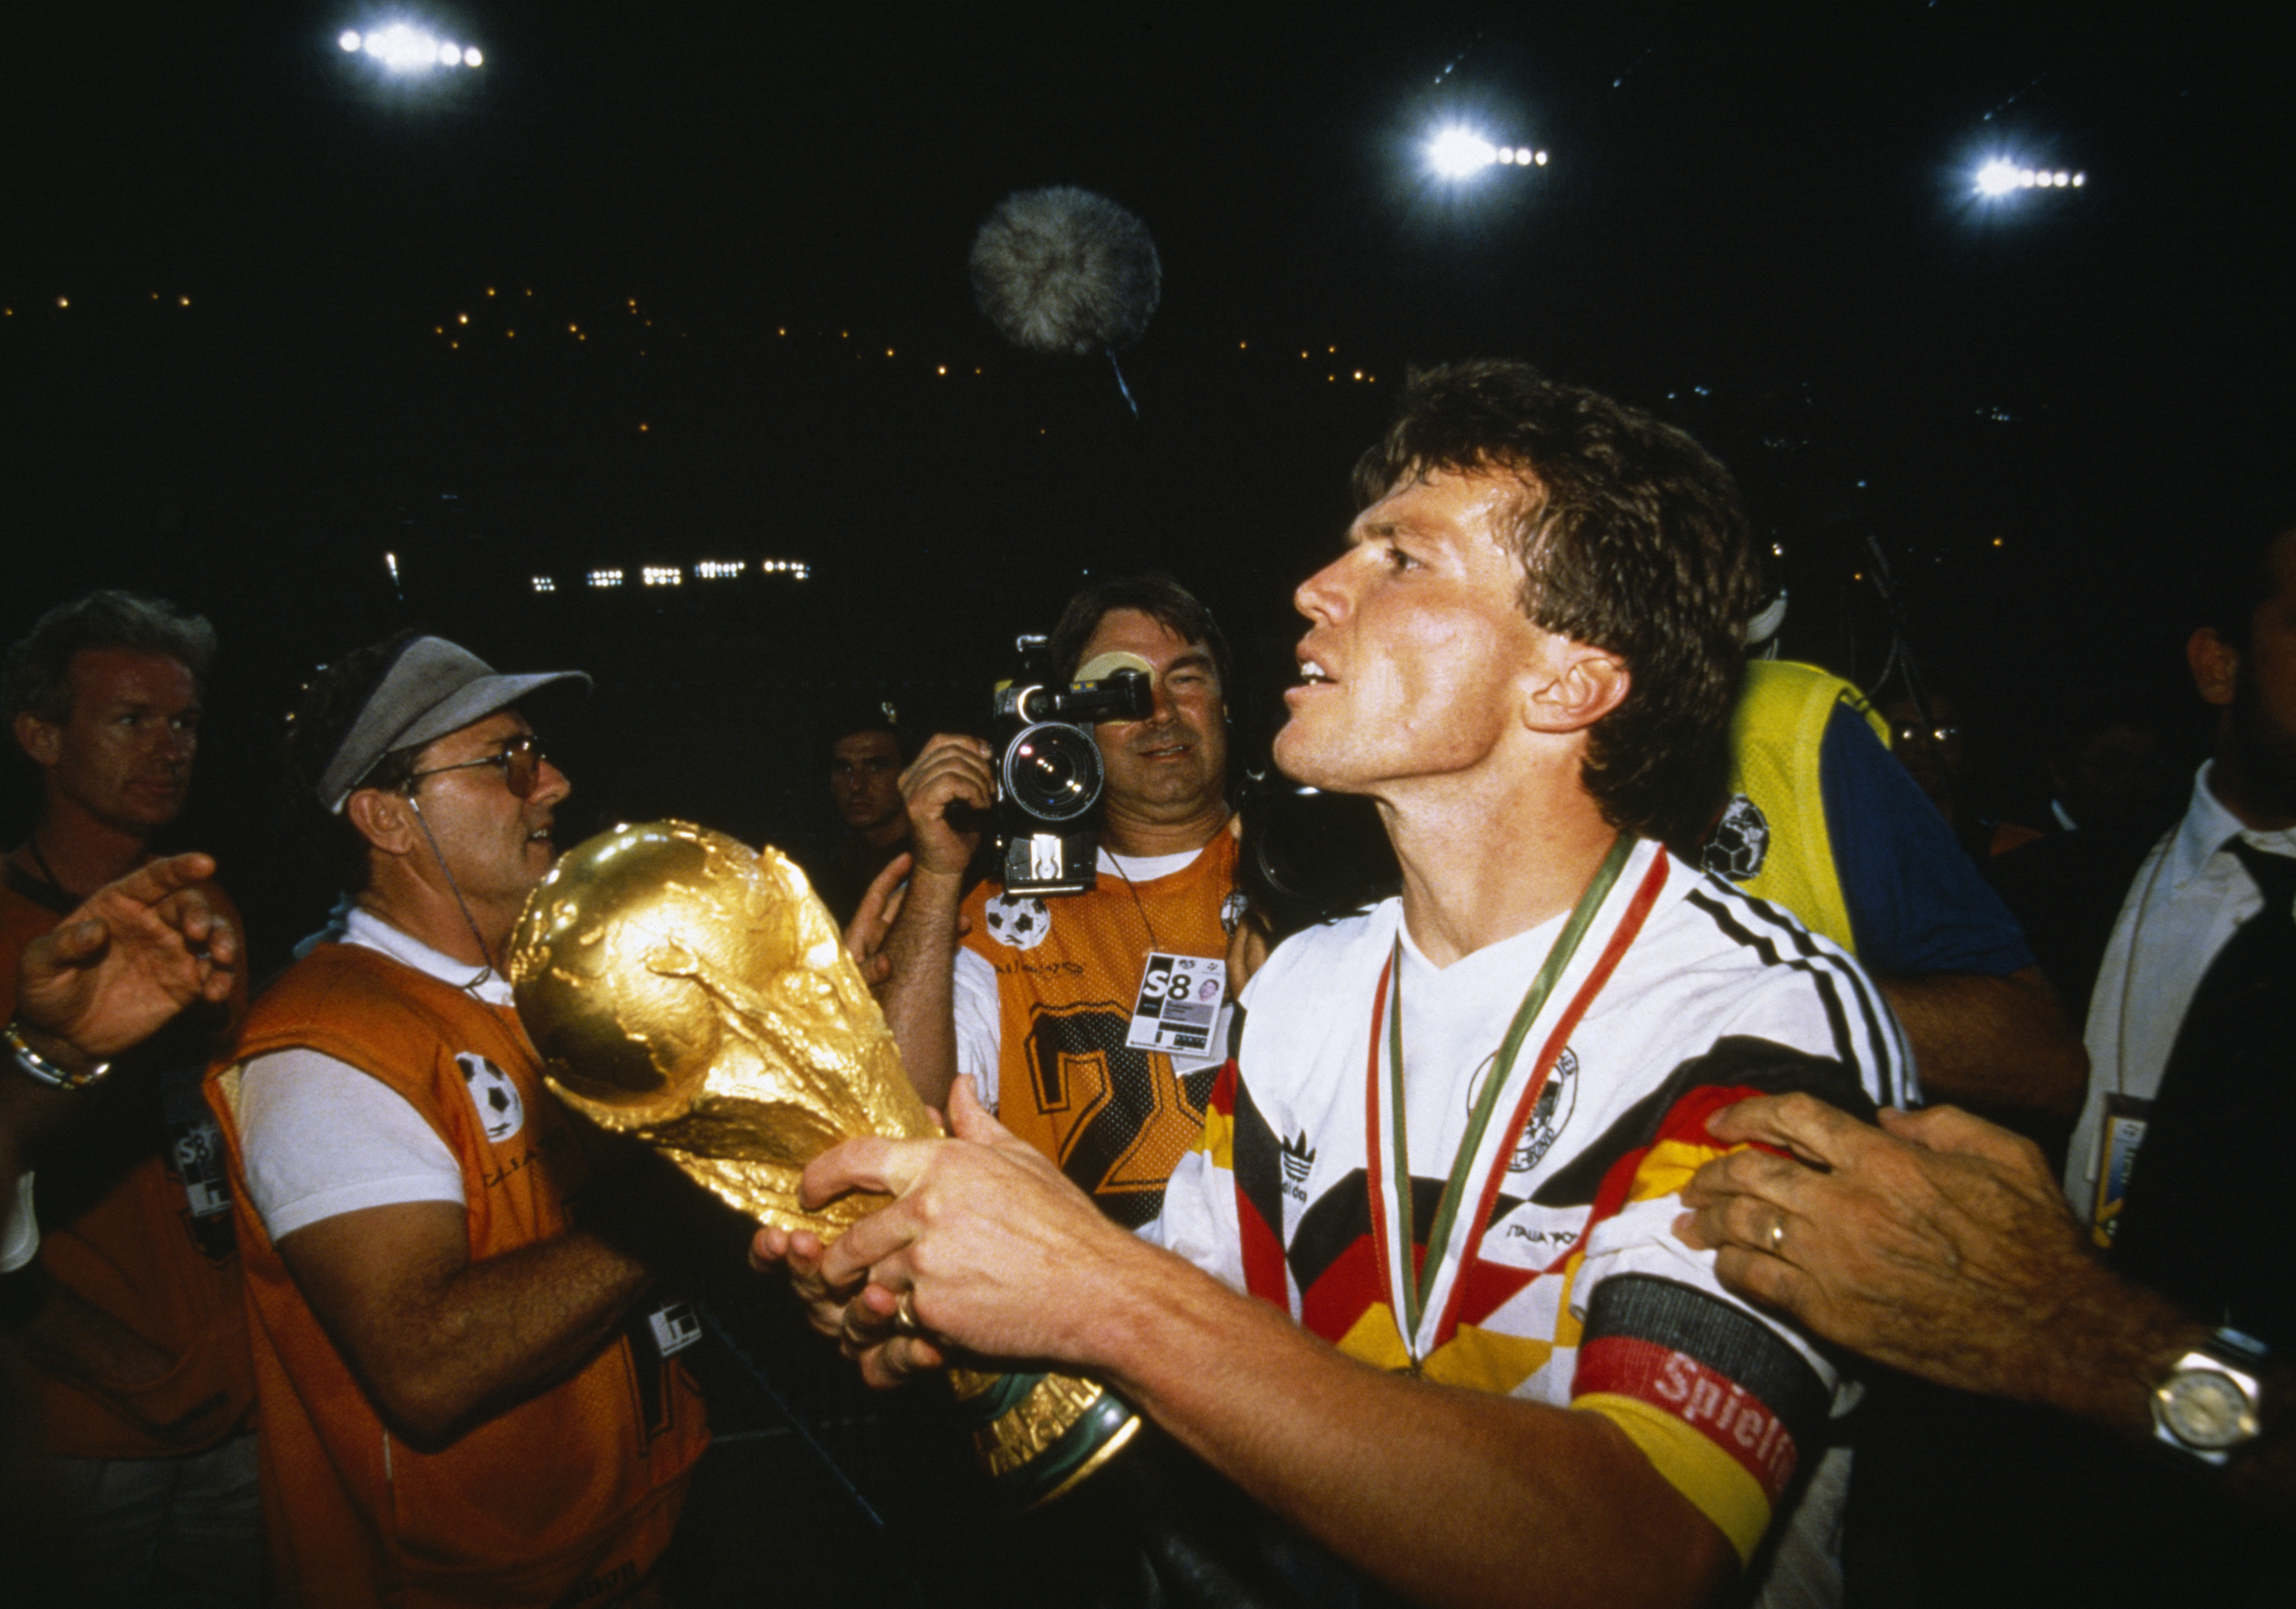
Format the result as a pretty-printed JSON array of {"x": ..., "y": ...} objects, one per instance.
[{"x": 1053, "y": 771}]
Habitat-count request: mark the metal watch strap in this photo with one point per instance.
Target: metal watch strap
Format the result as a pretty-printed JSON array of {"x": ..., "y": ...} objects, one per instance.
[{"x": 37, "y": 1066}]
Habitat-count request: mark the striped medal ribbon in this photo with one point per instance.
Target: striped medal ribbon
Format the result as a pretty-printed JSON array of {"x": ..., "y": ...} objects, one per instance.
[{"x": 1424, "y": 1299}]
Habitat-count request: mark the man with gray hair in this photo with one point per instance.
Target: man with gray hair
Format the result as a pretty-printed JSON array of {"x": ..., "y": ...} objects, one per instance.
[{"x": 466, "y": 1398}]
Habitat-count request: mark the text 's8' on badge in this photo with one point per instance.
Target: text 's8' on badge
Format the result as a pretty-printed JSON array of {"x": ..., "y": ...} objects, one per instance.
[{"x": 1178, "y": 1003}]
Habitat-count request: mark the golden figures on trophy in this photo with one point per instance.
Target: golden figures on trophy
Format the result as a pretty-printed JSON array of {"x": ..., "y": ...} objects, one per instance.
[{"x": 688, "y": 992}]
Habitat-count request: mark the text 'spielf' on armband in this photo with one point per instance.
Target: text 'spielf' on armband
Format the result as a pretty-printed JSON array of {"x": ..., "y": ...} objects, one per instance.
[{"x": 1722, "y": 1407}]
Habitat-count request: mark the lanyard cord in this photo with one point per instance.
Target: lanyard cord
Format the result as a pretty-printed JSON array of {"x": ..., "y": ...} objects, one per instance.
[
  {"x": 1415, "y": 1290},
  {"x": 1117, "y": 861},
  {"x": 469, "y": 921}
]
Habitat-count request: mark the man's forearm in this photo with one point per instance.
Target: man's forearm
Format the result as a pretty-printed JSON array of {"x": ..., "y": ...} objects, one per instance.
[
  {"x": 1993, "y": 1043},
  {"x": 508, "y": 1326},
  {"x": 919, "y": 998},
  {"x": 1449, "y": 1495},
  {"x": 442, "y": 1341},
  {"x": 2111, "y": 1345}
]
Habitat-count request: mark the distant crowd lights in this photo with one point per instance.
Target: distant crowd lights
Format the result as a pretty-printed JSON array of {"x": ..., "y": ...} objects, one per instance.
[
  {"x": 403, "y": 48},
  {"x": 1456, "y": 153},
  {"x": 2001, "y": 176},
  {"x": 673, "y": 575}
]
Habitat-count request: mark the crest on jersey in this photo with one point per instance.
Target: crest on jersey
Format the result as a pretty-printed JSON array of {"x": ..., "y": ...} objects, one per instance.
[
  {"x": 500, "y": 1110},
  {"x": 1739, "y": 844},
  {"x": 1021, "y": 923},
  {"x": 1548, "y": 1114}
]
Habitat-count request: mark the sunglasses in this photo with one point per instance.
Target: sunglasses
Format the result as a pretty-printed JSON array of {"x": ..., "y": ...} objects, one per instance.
[{"x": 521, "y": 760}]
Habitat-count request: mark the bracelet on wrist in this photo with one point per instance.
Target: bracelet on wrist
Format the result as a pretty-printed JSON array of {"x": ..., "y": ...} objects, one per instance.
[{"x": 38, "y": 1067}]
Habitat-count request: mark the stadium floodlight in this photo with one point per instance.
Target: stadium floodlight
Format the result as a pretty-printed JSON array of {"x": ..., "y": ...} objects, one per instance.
[
  {"x": 1458, "y": 154},
  {"x": 2000, "y": 177},
  {"x": 403, "y": 48}
]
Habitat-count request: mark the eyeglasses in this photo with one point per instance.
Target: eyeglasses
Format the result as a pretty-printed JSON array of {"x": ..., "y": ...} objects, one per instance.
[{"x": 521, "y": 760}]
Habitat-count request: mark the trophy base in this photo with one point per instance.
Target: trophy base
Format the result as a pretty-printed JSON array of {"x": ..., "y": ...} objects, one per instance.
[{"x": 1039, "y": 1436}]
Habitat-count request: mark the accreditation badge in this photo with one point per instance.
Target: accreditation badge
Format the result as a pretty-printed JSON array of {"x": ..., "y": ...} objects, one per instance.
[
  {"x": 2125, "y": 1118},
  {"x": 1178, "y": 1003}
]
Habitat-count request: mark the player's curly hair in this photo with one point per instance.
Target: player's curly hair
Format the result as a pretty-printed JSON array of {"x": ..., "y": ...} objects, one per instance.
[{"x": 1632, "y": 540}]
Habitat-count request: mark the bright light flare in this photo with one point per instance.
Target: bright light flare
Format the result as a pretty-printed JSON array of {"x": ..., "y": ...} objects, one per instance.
[
  {"x": 1456, "y": 153},
  {"x": 405, "y": 48},
  {"x": 2000, "y": 177}
]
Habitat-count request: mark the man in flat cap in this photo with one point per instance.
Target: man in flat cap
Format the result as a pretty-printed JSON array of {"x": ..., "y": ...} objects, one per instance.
[{"x": 464, "y": 1398}]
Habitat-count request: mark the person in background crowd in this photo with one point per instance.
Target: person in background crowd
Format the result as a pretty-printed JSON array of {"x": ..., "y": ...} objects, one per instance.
[
  {"x": 2131, "y": 1446},
  {"x": 1822, "y": 820},
  {"x": 1930, "y": 736},
  {"x": 1038, "y": 1003},
  {"x": 2192, "y": 1031},
  {"x": 466, "y": 1399},
  {"x": 866, "y": 761},
  {"x": 2110, "y": 798},
  {"x": 131, "y": 1317},
  {"x": 111, "y": 973}
]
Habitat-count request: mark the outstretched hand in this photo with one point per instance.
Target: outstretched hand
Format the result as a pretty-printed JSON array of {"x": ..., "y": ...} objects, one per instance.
[
  {"x": 1937, "y": 1243},
  {"x": 133, "y": 955},
  {"x": 873, "y": 919},
  {"x": 864, "y": 935}
]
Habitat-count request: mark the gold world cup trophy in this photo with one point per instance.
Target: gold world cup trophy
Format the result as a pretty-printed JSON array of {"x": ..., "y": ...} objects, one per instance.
[{"x": 686, "y": 991}]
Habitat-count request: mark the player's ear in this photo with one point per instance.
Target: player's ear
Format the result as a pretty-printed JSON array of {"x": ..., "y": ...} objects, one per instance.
[
  {"x": 385, "y": 819},
  {"x": 1576, "y": 686},
  {"x": 42, "y": 740},
  {"x": 2215, "y": 662}
]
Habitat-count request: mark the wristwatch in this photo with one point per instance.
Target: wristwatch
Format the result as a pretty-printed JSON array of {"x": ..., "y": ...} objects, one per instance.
[
  {"x": 2207, "y": 1408},
  {"x": 37, "y": 1066}
]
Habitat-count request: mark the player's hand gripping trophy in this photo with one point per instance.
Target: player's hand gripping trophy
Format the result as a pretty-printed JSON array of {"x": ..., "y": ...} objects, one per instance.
[{"x": 681, "y": 989}]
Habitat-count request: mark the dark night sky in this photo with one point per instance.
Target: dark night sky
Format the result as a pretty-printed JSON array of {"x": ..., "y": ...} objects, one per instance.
[{"x": 1773, "y": 207}]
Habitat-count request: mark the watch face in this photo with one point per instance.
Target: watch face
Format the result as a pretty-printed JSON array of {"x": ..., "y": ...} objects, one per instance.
[{"x": 2206, "y": 1410}]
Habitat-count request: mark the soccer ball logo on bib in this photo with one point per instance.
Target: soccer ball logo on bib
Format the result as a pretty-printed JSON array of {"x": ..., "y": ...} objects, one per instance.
[
  {"x": 1739, "y": 844},
  {"x": 500, "y": 1110},
  {"x": 1021, "y": 923}
]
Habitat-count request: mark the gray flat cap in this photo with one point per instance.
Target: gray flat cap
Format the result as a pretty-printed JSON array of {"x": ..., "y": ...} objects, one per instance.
[{"x": 433, "y": 687}]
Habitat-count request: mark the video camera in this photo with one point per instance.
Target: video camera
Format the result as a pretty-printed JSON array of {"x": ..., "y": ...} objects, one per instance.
[{"x": 1049, "y": 775}]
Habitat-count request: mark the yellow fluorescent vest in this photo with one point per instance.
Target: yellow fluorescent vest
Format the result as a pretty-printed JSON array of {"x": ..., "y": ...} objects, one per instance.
[{"x": 1772, "y": 841}]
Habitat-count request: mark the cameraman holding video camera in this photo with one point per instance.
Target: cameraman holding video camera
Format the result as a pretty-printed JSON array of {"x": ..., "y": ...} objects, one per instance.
[{"x": 1094, "y": 1024}]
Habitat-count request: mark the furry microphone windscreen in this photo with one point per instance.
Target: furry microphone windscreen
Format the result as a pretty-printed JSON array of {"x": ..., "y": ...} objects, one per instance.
[{"x": 1066, "y": 272}]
